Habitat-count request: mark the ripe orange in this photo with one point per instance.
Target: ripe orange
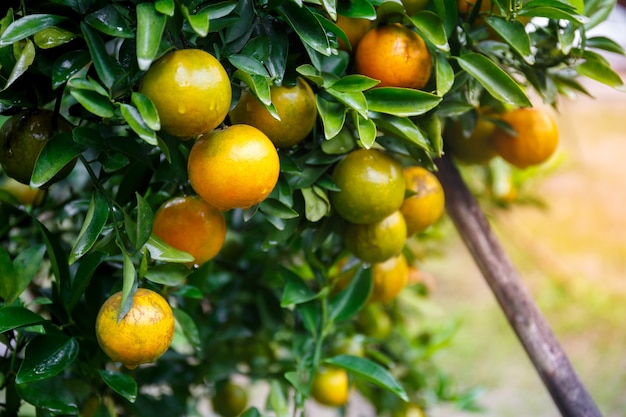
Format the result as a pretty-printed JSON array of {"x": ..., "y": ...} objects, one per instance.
[
  {"x": 371, "y": 183},
  {"x": 235, "y": 167},
  {"x": 330, "y": 386},
  {"x": 354, "y": 28},
  {"x": 192, "y": 225},
  {"x": 377, "y": 241},
  {"x": 23, "y": 136},
  {"x": 537, "y": 137},
  {"x": 191, "y": 92},
  {"x": 230, "y": 400},
  {"x": 426, "y": 205},
  {"x": 295, "y": 106},
  {"x": 143, "y": 335},
  {"x": 390, "y": 277},
  {"x": 395, "y": 55},
  {"x": 24, "y": 194},
  {"x": 477, "y": 148}
]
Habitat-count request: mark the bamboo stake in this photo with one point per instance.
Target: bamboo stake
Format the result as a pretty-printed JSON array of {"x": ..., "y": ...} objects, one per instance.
[{"x": 568, "y": 392}]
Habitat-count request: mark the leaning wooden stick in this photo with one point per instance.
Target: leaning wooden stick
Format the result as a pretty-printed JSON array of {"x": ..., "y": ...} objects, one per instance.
[{"x": 568, "y": 392}]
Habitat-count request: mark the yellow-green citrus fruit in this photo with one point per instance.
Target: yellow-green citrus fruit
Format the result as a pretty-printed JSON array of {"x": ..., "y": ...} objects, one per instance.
[
  {"x": 354, "y": 28},
  {"x": 389, "y": 278},
  {"x": 230, "y": 400},
  {"x": 143, "y": 335},
  {"x": 234, "y": 167},
  {"x": 377, "y": 241},
  {"x": 331, "y": 386},
  {"x": 425, "y": 206},
  {"x": 24, "y": 194},
  {"x": 371, "y": 186},
  {"x": 374, "y": 321},
  {"x": 190, "y": 90},
  {"x": 477, "y": 148},
  {"x": 295, "y": 105}
]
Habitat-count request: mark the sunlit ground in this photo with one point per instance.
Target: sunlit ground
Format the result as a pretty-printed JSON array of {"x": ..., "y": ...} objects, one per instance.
[{"x": 572, "y": 256}]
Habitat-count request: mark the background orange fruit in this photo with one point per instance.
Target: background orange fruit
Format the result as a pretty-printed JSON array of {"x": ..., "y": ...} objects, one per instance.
[
  {"x": 330, "y": 386},
  {"x": 426, "y": 205},
  {"x": 395, "y": 55},
  {"x": 191, "y": 91},
  {"x": 192, "y": 225},
  {"x": 230, "y": 400},
  {"x": 235, "y": 167},
  {"x": 371, "y": 183},
  {"x": 389, "y": 277},
  {"x": 377, "y": 241},
  {"x": 537, "y": 137},
  {"x": 295, "y": 105},
  {"x": 24, "y": 194},
  {"x": 354, "y": 28},
  {"x": 477, "y": 148},
  {"x": 143, "y": 335}
]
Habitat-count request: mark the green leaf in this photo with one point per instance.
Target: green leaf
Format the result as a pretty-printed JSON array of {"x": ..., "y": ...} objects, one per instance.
[
  {"x": 316, "y": 203},
  {"x": 366, "y": 129},
  {"x": 147, "y": 110},
  {"x": 353, "y": 83},
  {"x": 25, "y": 266},
  {"x": 145, "y": 219},
  {"x": 24, "y": 61},
  {"x": 349, "y": 301},
  {"x": 277, "y": 400},
  {"x": 50, "y": 395},
  {"x": 597, "y": 11},
  {"x": 102, "y": 62},
  {"x": 400, "y": 101},
  {"x": 168, "y": 274},
  {"x": 121, "y": 383},
  {"x": 605, "y": 44},
  {"x": 295, "y": 290},
  {"x": 259, "y": 85},
  {"x": 94, "y": 102},
  {"x": 46, "y": 356},
  {"x": 430, "y": 26},
  {"x": 52, "y": 37},
  {"x": 161, "y": 251},
  {"x": 28, "y": 26},
  {"x": 354, "y": 100},
  {"x": 150, "y": 27},
  {"x": 277, "y": 208},
  {"x": 129, "y": 284},
  {"x": 86, "y": 268},
  {"x": 495, "y": 80},
  {"x": 189, "y": 328},
  {"x": 513, "y": 33},
  {"x": 599, "y": 71},
  {"x": 403, "y": 128},
  {"x": 8, "y": 285},
  {"x": 167, "y": 7},
  {"x": 199, "y": 22},
  {"x": 307, "y": 26},
  {"x": 110, "y": 21},
  {"x": 13, "y": 317},
  {"x": 136, "y": 122},
  {"x": 94, "y": 223},
  {"x": 444, "y": 74},
  {"x": 57, "y": 153},
  {"x": 58, "y": 261},
  {"x": 333, "y": 115},
  {"x": 68, "y": 65},
  {"x": 248, "y": 64},
  {"x": 552, "y": 9},
  {"x": 370, "y": 371}
]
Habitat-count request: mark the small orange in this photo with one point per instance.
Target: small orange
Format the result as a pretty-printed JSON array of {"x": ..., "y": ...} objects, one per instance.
[
  {"x": 24, "y": 194},
  {"x": 235, "y": 167},
  {"x": 230, "y": 400},
  {"x": 426, "y": 205},
  {"x": 390, "y": 277},
  {"x": 477, "y": 148},
  {"x": 331, "y": 386},
  {"x": 537, "y": 137},
  {"x": 395, "y": 55},
  {"x": 377, "y": 241},
  {"x": 192, "y": 225},
  {"x": 354, "y": 28},
  {"x": 371, "y": 186},
  {"x": 190, "y": 90},
  {"x": 143, "y": 335},
  {"x": 295, "y": 105}
]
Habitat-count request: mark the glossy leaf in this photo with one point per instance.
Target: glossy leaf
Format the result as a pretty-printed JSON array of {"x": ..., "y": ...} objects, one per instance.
[
  {"x": 248, "y": 64},
  {"x": 552, "y": 9},
  {"x": 599, "y": 71},
  {"x": 430, "y": 26},
  {"x": 94, "y": 102},
  {"x": 354, "y": 100},
  {"x": 188, "y": 326},
  {"x": 129, "y": 284},
  {"x": 121, "y": 383},
  {"x": 25, "y": 266},
  {"x": 306, "y": 25},
  {"x": 67, "y": 65},
  {"x": 605, "y": 44},
  {"x": 50, "y": 395},
  {"x": 8, "y": 285},
  {"x": 366, "y": 130},
  {"x": 86, "y": 268},
  {"x": 46, "y": 356},
  {"x": 59, "y": 151},
  {"x": 94, "y": 222},
  {"x": 99, "y": 55},
  {"x": 400, "y": 101},
  {"x": 24, "y": 61},
  {"x": 354, "y": 83},
  {"x": 597, "y": 11},
  {"x": 333, "y": 115},
  {"x": 316, "y": 203},
  {"x": 401, "y": 127},
  {"x": 110, "y": 21},
  {"x": 444, "y": 74},
  {"x": 276, "y": 399},
  {"x": 349, "y": 301},
  {"x": 277, "y": 208},
  {"x": 13, "y": 317},
  {"x": 147, "y": 110},
  {"x": 495, "y": 80},
  {"x": 167, "y": 7},
  {"x": 514, "y": 34},
  {"x": 295, "y": 290},
  {"x": 150, "y": 27},
  {"x": 370, "y": 371},
  {"x": 168, "y": 274},
  {"x": 28, "y": 26},
  {"x": 259, "y": 85},
  {"x": 136, "y": 122},
  {"x": 52, "y": 37},
  {"x": 199, "y": 22},
  {"x": 58, "y": 261},
  {"x": 161, "y": 251}
]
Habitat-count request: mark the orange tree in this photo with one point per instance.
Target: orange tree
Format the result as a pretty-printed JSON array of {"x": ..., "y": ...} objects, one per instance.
[{"x": 127, "y": 111}]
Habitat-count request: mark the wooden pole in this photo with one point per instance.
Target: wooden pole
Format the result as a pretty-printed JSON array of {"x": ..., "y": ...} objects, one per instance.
[{"x": 568, "y": 392}]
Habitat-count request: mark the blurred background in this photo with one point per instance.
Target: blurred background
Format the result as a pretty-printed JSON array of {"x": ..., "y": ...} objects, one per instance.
[{"x": 571, "y": 254}]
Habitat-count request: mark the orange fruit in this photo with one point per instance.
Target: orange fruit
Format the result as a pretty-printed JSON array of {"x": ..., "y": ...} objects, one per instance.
[
  {"x": 235, "y": 167},
  {"x": 425, "y": 206},
  {"x": 377, "y": 241},
  {"x": 395, "y": 55},
  {"x": 466, "y": 6},
  {"x": 389, "y": 278},
  {"x": 190, "y": 90},
  {"x": 477, "y": 148},
  {"x": 143, "y": 335},
  {"x": 230, "y": 400},
  {"x": 330, "y": 386},
  {"x": 23, "y": 136},
  {"x": 371, "y": 184},
  {"x": 192, "y": 225},
  {"x": 24, "y": 194},
  {"x": 295, "y": 105},
  {"x": 537, "y": 137},
  {"x": 354, "y": 28}
]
